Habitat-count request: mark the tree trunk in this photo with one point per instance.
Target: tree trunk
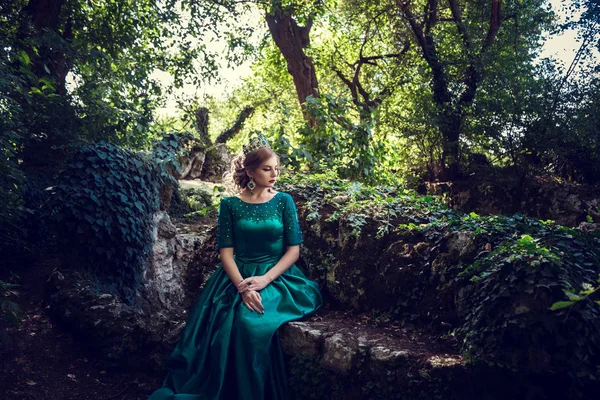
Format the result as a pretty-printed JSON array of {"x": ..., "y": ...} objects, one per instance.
[
  {"x": 450, "y": 105},
  {"x": 291, "y": 40},
  {"x": 202, "y": 126},
  {"x": 450, "y": 127},
  {"x": 45, "y": 14}
]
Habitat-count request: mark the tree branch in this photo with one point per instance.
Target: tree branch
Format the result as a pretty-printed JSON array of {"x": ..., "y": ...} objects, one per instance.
[
  {"x": 356, "y": 87},
  {"x": 462, "y": 29},
  {"x": 368, "y": 60},
  {"x": 430, "y": 15},
  {"x": 239, "y": 122},
  {"x": 494, "y": 25},
  {"x": 440, "y": 84}
]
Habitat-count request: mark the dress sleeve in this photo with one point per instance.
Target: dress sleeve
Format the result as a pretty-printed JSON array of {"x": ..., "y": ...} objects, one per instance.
[
  {"x": 225, "y": 225},
  {"x": 292, "y": 235}
]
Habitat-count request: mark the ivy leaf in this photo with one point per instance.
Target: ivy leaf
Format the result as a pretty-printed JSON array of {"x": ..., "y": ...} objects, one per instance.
[
  {"x": 94, "y": 198},
  {"x": 586, "y": 292}
]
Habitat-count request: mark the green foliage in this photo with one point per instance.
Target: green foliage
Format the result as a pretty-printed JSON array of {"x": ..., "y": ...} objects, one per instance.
[
  {"x": 569, "y": 146},
  {"x": 167, "y": 151},
  {"x": 80, "y": 73},
  {"x": 357, "y": 203},
  {"x": 18, "y": 113},
  {"x": 195, "y": 202},
  {"x": 88, "y": 70},
  {"x": 337, "y": 144},
  {"x": 103, "y": 205},
  {"x": 10, "y": 312},
  {"x": 514, "y": 287},
  {"x": 526, "y": 248},
  {"x": 584, "y": 294},
  {"x": 525, "y": 113}
]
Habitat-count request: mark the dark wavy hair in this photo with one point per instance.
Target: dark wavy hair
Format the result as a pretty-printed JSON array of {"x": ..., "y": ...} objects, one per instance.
[{"x": 251, "y": 161}]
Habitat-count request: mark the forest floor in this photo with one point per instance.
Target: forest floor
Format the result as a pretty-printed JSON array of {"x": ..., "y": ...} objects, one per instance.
[{"x": 46, "y": 361}]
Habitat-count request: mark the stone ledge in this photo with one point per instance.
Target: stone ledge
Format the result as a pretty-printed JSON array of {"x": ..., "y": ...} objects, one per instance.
[
  {"x": 343, "y": 344},
  {"x": 337, "y": 355}
]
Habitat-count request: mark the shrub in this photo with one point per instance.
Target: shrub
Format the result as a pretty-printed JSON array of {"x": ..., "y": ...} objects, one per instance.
[{"x": 103, "y": 206}]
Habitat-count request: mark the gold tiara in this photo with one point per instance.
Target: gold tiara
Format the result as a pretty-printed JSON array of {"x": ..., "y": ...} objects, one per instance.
[{"x": 256, "y": 143}]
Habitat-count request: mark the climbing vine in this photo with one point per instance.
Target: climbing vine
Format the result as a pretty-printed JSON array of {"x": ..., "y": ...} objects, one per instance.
[{"x": 103, "y": 206}]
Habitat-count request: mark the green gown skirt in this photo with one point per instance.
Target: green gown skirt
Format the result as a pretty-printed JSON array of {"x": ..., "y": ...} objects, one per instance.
[{"x": 229, "y": 352}]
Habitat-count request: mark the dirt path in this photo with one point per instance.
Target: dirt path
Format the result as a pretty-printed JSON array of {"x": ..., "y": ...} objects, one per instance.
[{"x": 45, "y": 361}]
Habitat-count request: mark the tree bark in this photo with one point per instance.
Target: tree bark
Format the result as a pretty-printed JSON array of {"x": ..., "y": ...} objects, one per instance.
[
  {"x": 292, "y": 39},
  {"x": 237, "y": 126},
  {"x": 202, "y": 126}
]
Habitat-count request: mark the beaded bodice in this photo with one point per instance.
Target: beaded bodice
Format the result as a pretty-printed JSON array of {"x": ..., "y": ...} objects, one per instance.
[{"x": 258, "y": 232}]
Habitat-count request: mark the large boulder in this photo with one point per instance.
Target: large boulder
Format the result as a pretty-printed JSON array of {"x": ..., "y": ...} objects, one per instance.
[
  {"x": 191, "y": 164},
  {"x": 127, "y": 332},
  {"x": 174, "y": 261},
  {"x": 490, "y": 191},
  {"x": 217, "y": 163}
]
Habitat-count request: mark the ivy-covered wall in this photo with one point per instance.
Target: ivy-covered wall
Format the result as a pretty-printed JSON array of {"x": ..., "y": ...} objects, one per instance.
[{"x": 514, "y": 292}]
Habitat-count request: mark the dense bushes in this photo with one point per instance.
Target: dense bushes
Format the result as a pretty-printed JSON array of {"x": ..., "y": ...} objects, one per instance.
[
  {"x": 10, "y": 313},
  {"x": 190, "y": 201},
  {"x": 508, "y": 304},
  {"x": 103, "y": 206}
]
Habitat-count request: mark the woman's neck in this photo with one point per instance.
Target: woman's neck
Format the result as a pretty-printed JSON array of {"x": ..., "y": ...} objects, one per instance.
[{"x": 260, "y": 193}]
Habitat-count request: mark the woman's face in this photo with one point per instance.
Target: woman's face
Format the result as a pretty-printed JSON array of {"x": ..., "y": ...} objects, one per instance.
[{"x": 266, "y": 174}]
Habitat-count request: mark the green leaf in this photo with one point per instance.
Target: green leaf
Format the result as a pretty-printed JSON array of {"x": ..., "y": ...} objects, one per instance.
[
  {"x": 561, "y": 304},
  {"x": 573, "y": 296},
  {"x": 24, "y": 58},
  {"x": 94, "y": 198}
]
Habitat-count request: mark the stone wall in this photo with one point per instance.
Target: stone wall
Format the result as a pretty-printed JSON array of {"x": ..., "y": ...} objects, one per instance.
[
  {"x": 538, "y": 197},
  {"x": 405, "y": 279}
]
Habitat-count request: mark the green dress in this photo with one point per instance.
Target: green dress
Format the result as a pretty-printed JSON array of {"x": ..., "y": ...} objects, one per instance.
[{"x": 227, "y": 351}]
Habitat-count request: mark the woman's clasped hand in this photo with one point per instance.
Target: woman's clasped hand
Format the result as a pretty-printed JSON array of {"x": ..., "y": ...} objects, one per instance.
[
  {"x": 253, "y": 283},
  {"x": 248, "y": 289},
  {"x": 253, "y": 301}
]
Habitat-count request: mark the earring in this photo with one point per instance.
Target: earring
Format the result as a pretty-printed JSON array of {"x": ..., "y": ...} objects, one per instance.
[{"x": 251, "y": 185}]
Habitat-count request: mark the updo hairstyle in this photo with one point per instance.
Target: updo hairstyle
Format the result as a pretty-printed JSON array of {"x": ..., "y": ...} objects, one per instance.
[{"x": 251, "y": 161}]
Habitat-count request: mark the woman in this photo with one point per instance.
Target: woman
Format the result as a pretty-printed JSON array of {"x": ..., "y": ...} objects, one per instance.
[{"x": 229, "y": 348}]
